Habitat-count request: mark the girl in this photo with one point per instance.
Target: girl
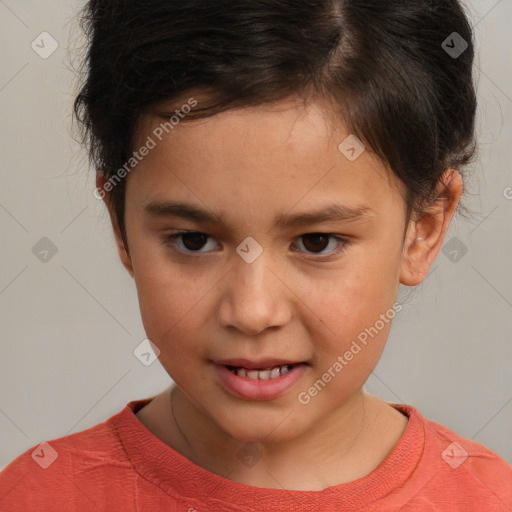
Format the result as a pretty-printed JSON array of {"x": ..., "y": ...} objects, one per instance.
[{"x": 273, "y": 170}]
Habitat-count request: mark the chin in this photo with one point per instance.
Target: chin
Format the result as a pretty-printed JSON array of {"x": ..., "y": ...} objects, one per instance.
[{"x": 271, "y": 429}]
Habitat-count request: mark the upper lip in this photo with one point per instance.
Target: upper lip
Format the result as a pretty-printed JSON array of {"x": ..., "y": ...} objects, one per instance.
[{"x": 253, "y": 364}]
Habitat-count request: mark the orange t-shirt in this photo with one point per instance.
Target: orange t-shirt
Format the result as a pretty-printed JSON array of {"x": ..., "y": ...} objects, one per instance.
[{"x": 120, "y": 466}]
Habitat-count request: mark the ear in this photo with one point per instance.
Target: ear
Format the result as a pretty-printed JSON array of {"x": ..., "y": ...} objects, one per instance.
[
  {"x": 426, "y": 231},
  {"x": 121, "y": 249}
]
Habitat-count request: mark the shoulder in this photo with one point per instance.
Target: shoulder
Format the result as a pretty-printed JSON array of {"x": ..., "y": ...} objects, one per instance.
[
  {"x": 67, "y": 473},
  {"x": 459, "y": 451},
  {"x": 463, "y": 471}
]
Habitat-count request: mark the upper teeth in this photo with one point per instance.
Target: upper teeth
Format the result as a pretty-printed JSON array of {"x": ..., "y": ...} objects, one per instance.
[{"x": 267, "y": 373}]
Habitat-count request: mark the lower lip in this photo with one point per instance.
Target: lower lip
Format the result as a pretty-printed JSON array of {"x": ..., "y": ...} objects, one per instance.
[{"x": 259, "y": 389}]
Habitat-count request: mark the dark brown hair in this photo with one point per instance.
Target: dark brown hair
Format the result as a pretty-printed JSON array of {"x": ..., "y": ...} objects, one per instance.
[{"x": 381, "y": 64}]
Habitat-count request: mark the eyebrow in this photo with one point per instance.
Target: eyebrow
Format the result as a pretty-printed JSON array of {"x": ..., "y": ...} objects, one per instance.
[{"x": 329, "y": 213}]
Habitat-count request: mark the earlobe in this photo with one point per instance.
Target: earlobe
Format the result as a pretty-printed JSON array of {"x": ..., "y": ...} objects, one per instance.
[
  {"x": 426, "y": 233},
  {"x": 123, "y": 252}
]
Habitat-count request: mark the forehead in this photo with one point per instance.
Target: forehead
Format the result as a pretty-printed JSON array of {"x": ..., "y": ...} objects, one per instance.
[{"x": 281, "y": 153}]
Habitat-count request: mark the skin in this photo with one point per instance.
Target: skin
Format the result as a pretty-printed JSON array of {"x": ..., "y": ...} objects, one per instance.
[{"x": 308, "y": 304}]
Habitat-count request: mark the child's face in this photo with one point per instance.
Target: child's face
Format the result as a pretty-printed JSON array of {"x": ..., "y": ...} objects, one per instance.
[{"x": 300, "y": 300}]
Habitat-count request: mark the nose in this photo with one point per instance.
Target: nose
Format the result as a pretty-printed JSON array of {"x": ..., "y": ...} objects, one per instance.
[{"x": 254, "y": 297}]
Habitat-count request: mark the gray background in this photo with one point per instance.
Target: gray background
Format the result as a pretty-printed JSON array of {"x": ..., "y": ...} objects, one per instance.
[{"x": 70, "y": 325}]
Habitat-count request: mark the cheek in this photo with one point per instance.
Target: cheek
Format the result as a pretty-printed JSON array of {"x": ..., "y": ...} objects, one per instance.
[
  {"x": 354, "y": 314},
  {"x": 170, "y": 313},
  {"x": 353, "y": 327},
  {"x": 171, "y": 301},
  {"x": 354, "y": 298}
]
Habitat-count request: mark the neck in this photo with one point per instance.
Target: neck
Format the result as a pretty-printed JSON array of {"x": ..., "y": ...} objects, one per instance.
[{"x": 344, "y": 446}]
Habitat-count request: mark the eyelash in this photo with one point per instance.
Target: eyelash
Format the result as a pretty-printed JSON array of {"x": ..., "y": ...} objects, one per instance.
[{"x": 170, "y": 241}]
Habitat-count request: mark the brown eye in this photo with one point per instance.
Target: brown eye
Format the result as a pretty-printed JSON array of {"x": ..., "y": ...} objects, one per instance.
[
  {"x": 194, "y": 241},
  {"x": 186, "y": 241},
  {"x": 316, "y": 242}
]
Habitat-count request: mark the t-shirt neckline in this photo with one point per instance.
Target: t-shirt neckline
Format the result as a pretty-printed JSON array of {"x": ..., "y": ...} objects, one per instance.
[{"x": 159, "y": 463}]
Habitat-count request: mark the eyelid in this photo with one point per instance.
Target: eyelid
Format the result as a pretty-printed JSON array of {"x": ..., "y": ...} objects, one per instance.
[{"x": 170, "y": 240}]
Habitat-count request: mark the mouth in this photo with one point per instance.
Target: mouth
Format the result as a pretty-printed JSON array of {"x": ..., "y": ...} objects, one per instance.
[
  {"x": 270, "y": 372},
  {"x": 259, "y": 380}
]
